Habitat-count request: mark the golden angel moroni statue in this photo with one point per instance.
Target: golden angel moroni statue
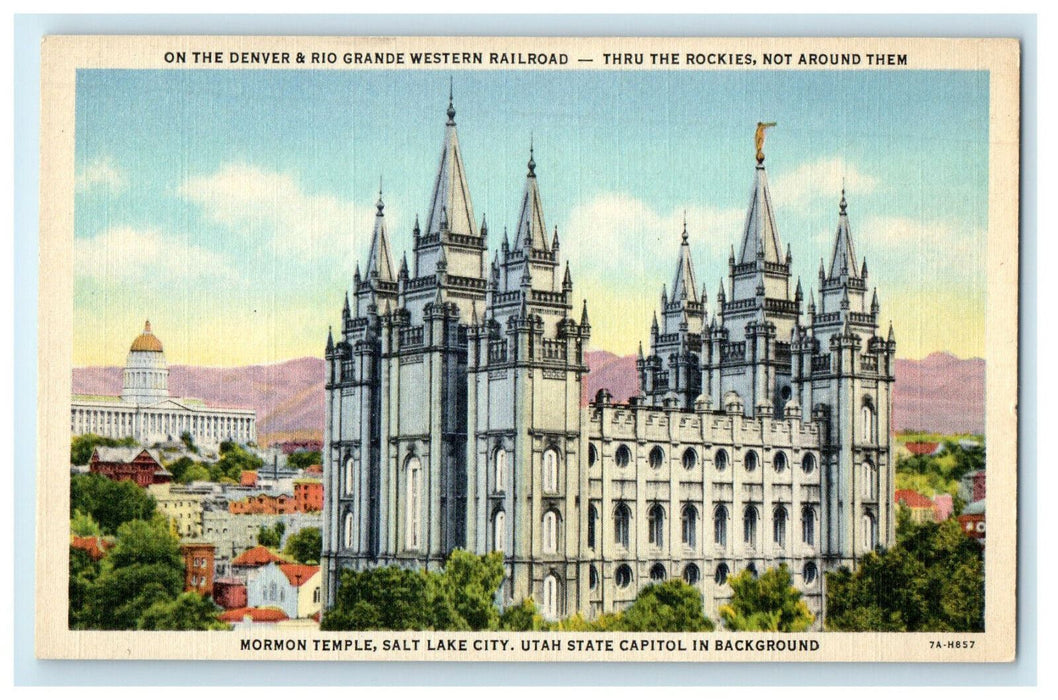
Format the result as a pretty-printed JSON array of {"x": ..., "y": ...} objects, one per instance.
[{"x": 761, "y": 126}]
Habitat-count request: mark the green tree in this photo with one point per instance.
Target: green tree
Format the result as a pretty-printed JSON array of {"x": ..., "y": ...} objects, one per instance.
[
  {"x": 143, "y": 568},
  {"x": 932, "y": 580},
  {"x": 188, "y": 611},
  {"x": 83, "y": 573},
  {"x": 768, "y": 603},
  {"x": 303, "y": 459},
  {"x": 196, "y": 472},
  {"x": 82, "y": 446},
  {"x": 234, "y": 460},
  {"x": 672, "y": 606},
  {"x": 273, "y": 536},
  {"x": 305, "y": 545},
  {"x": 470, "y": 582},
  {"x": 84, "y": 525},
  {"x": 109, "y": 503},
  {"x": 189, "y": 442},
  {"x": 387, "y": 598},
  {"x": 522, "y": 617}
]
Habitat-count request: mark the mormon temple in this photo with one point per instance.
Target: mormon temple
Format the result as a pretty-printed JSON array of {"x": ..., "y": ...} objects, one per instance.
[
  {"x": 146, "y": 412},
  {"x": 760, "y": 436}
]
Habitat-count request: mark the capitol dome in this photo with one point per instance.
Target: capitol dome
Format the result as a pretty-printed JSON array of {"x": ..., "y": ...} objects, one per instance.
[
  {"x": 146, "y": 341},
  {"x": 146, "y": 376}
]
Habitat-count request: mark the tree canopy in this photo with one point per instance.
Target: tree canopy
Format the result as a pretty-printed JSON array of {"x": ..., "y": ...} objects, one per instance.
[
  {"x": 82, "y": 446},
  {"x": 932, "y": 580},
  {"x": 188, "y": 611},
  {"x": 303, "y": 459},
  {"x": 672, "y": 606},
  {"x": 272, "y": 537},
  {"x": 769, "y": 603},
  {"x": 305, "y": 545},
  {"x": 109, "y": 503}
]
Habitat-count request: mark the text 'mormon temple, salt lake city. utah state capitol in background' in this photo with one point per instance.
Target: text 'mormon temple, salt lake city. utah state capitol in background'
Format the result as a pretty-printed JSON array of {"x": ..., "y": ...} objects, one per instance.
[{"x": 760, "y": 436}]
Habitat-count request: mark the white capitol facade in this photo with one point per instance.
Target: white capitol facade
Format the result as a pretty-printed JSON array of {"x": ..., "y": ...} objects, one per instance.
[{"x": 146, "y": 412}]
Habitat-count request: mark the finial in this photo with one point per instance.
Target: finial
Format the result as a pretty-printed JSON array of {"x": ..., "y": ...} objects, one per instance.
[
  {"x": 147, "y": 326},
  {"x": 759, "y": 138},
  {"x": 379, "y": 205},
  {"x": 685, "y": 227},
  {"x": 451, "y": 109},
  {"x": 843, "y": 204},
  {"x": 532, "y": 162},
  {"x": 415, "y": 229},
  {"x": 584, "y": 313},
  {"x": 330, "y": 338}
]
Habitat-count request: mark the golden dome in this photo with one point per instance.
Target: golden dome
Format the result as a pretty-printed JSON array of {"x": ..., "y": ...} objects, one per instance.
[{"x": 146, "y": 341}]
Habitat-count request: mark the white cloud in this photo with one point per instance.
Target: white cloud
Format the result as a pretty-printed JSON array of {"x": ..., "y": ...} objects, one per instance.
[
  {"x": 133, "y": 256},
  {"x": 804, "y": 186},
  {"x": 101, "y": 173},
  {"x": 624, "y": 235},
  {"x": 271, "y": 207}
]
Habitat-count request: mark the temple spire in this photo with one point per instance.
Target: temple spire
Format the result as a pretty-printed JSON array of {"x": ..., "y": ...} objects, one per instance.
[
  {"x": 532, "y": 232},
  {"x": 379, "y": 260},
  {"x": 450, "y": 206},
  {"x": 684, "y": 285},
  {"x": 843, "y": 260},
  {"x": 760, "y": 232}
]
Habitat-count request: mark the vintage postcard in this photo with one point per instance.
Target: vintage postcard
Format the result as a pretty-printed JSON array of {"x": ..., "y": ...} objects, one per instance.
[{"x": 523, "y": 349}]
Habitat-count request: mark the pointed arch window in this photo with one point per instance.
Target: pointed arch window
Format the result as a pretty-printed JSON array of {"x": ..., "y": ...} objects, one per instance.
[
  {"x": 808, "y": 463},
  {"x": 870, "y": 539},
  {"x": 499, "y": 463},
  {"x": 550, "y": 470},
  {"x": 779, "y": 462},
  {"x": 689, "y": 525},
  {"x": 348, "y": 528},
  {"x": 621, "y": 523},
  {"x": 499, "y": 531},
  {"x": 656, "y": 525},
  {"x": 690, "y": 458},
  {"x": 808, "y": 526},
  {"x": 779, "y": 527},
  {"x": 720, "y": 460},
  {"x": 550, "y": 597},
  {"x": 550, "y": 532},
  {"x": 867, "y": 420},
  {"x": 720, "y": 526},
  {"x": 749, "y": 527},
  {"x": 350, "y": 476},
  {"x": 593, "y": 455},
  {"x": 413, "y": 502},
  {"x": 656, "y": 457},
  {"x": 593, "y": 515},
  {"x": 751, "y": 461},
  {"x": 870, "y": 479}
]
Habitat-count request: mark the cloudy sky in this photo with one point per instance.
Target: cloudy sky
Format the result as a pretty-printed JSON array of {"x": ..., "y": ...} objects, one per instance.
[{"x": 231, "y": 207}]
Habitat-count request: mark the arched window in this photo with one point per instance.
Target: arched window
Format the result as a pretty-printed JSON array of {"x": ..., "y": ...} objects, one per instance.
[
  {"x": 350, "y": 476},
  {"x": 348, "y": 530},
  {"x": 622, "y": 456},
  {"x": 623, "y": 576},
  {"x": 867, "y": 419},
  {"x": 720, "y": 526},
  {"x": 593, "y": 515},
  {"x": 413, "y": 502},
  {"x": 593, "y": 455},
  {"x": 658, "y": 573},
  {"x": 810, "y": 573},
  {"x": 808, "y": 463},
  {"x": 499, "y": 462},
  {"x": 550, "y": 606},
  {"x": 751, "y": 461},
  {"x": 550, "y": 532},
  {"x": 499, "y": 531},
  {"x": 808, "y": 526},
  {"x": 720, "y": 460},
  {"x": 721, "y": 574},
  {"x": 690, "y": 458},
  {"x": 870, "y": 478},
  {"x": 593, "y": 577},
  {"x": 550, "y": 470},
  {"x": 869, "y": 539},
  {"x": 621, "y": 522},
  {"x": 779, "y": 462},
  {"x": 779, "y": 526},
  {"x": 689, "y": 525},
  {"x": 691, "y": 574},
  {"x": 749, "y": 527},
  {"x": 752, "y": 569},
  {"x": 656, "y": 457},
  {"x": 656, "y": 525}
]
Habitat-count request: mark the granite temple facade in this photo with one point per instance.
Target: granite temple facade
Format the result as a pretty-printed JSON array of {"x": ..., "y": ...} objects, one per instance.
[{"x": 760, "y": 436}]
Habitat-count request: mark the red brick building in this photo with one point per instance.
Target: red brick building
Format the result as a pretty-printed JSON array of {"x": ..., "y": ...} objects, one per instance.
[
  {"x": 265, "y": 504},
  {"x": 229, "y": 593},
  {"x": 198, "y": 567},
  {"x": 128, "y": 464},
  {"x": 308, "y": 495}
]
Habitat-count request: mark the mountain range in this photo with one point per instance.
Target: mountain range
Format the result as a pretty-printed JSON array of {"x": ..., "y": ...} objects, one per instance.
[{"x": 939, "y": 393}]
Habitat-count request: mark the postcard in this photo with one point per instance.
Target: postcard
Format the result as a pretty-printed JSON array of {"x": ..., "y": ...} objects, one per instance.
[{"x": 528, "y": 349}]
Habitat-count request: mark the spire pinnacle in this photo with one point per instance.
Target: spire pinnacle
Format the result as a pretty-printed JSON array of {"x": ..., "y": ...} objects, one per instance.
[
  {"x": 451, "y": 108},
  {"x": 892, "y": 336},
  {"x": 330, "y": 339},
  {"x": 684, "y": 227},
  {"x": 584, "y": 313},
  {"x": 843, "y": 205},
  {"x": 345, "y": 306},
  {"x": 532, "y": 161}
]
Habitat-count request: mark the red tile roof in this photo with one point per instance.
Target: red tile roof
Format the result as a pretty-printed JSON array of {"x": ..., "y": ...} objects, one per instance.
[
  {"x": 95, "y": 546},
  {"x": 257, "y": 556},
  {"x": 298, "y": 574},
  {"x": 912, "y": 499},
  {"x": 922, "y": 448},
  {"x": 255, "y": 614}
]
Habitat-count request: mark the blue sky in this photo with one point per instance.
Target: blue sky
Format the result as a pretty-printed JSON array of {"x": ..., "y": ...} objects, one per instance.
[{"x": 231, "y": 207}]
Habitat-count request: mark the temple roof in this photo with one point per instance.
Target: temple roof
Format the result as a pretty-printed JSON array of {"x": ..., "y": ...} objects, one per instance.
[
  {"x": 760, "y": 232},
  {"x": 450, "y": 207}
]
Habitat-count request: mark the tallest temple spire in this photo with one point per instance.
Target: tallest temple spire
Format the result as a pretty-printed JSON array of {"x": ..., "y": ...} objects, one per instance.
[{"x": 450, "y": 207}]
